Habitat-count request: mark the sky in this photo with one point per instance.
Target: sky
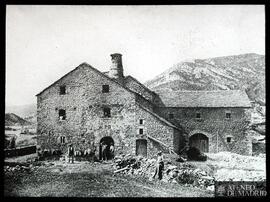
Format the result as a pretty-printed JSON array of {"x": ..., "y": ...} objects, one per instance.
[{"x": 45, "y": 42}]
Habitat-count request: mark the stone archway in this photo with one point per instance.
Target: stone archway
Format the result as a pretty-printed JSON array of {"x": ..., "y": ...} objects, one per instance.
[
  {"x": 200, "y": 141},
  {"x": 104, "y": 148}
]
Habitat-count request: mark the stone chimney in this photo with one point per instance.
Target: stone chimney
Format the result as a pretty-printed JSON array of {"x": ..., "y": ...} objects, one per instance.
[{"x": 116, "y": 69}]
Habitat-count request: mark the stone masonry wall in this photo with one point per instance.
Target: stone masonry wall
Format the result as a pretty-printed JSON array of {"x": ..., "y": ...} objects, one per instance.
[
  {"x": 157, "y": 129},
  {"x": 85, "y": 124},
  {"x": 215, "y": 126}
]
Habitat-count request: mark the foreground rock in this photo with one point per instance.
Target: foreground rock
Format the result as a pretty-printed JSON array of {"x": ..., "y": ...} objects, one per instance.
[{"x": 182, "y": 174}]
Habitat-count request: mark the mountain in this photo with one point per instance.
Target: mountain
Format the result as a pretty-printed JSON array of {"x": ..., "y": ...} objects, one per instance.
[
  {"x": 22, "y": 110},
  {"x": 14, "y": 120},
  {"x": 245, "y": 72}
]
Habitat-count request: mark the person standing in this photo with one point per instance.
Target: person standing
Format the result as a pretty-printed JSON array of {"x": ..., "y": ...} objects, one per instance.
[
  {"x": 112, "y": 150},
  {"x": 70, "y": 153},
  {"x": 104, "y": 151},
  {"x": 159, "y": 165}
]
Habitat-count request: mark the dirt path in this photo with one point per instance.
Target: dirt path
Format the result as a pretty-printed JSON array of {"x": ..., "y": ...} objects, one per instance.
[{"x": 84, "y": 179}]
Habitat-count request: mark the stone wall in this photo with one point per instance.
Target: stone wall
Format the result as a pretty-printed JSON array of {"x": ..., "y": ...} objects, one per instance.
[
  {"x": 154, "y": 127},
  {"x": 85, "y": 123},
  {"x": 215, "y": 126}
]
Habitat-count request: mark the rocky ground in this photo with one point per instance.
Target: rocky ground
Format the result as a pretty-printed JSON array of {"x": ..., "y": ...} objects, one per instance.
[
  {"x": 229, "y": 166},
  {"x": 87, "y": 179},
  {"x": 128, "y": 176}
]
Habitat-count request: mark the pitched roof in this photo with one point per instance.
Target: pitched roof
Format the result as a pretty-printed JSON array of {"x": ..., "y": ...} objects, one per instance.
[
  {"x": 219, "y": 98},
  {"x": 94, "y": 69},
  {"x": 135, "y": 80}
]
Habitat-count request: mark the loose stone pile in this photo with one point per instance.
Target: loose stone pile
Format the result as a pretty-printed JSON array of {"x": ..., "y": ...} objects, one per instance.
[
  {"x": 22, "y": 167},
  {"x": 182, "y": 174},
  {"x": 17, "y": 168}
]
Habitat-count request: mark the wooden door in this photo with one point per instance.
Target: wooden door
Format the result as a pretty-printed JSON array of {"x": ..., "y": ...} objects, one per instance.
[
  {"x": 141, "y": 147},
  {"x": 199, "y": 141},
  {"x": 203, "y": 145}
]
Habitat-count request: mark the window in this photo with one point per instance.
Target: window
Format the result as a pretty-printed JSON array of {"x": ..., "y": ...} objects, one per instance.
[
  {"x": 171, "y": 116},
  {"x": 229, "y": 139},
  {"x": 107, "y": 112},
  {"x": 62, "y": 139},
  {"x": 140, "y": 131},
  {"x": 198, "y": 115},
  {"x": 228, "y": 115},
  {"x": 105, "y": 88},
  {"x": 141, "y": 121},
  {"x": 62, "y": 90},
  {"x": 62, "y": 114}
]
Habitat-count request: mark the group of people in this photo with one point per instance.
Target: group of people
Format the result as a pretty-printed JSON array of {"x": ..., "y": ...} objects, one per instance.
[
  {"x": 89, "y": 153},
  {"x": 107, "y": 151}
]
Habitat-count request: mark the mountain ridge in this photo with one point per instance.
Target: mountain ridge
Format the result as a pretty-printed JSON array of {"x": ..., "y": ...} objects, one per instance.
[
  {"x": 12, "y": 119},
  {"x": 234, "y": 72}
]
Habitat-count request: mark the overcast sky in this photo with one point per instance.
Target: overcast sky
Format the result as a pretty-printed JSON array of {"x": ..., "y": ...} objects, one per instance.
[{"x": 45, "y": 42}]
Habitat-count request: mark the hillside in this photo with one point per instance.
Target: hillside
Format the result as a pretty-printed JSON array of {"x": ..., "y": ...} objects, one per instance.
[
  {"x": 14, "y": 120},
  {"x": 245, "y": 71},
  {"x": 22, "y": 110}
]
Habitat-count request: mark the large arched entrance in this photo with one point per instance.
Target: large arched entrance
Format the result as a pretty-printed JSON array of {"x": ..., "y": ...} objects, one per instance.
[
  {"x": 199, "y": 141},
  {"x": 105, "y": 148}
]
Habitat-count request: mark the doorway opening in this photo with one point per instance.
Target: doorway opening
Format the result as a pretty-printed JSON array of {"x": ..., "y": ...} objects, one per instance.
[
  {"x": 106, "y": 148},
  {"x": 141, "y": 147},
  {"x": 200, "y": 141}
]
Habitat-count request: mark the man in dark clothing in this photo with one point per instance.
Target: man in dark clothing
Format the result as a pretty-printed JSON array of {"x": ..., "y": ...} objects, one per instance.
[
  {"x": 70, "y": 153},
  {"x": 104, "y": 151}
]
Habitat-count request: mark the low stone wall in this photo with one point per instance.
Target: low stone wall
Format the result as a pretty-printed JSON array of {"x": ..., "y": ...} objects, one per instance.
[{"x": 20, "y": 151}]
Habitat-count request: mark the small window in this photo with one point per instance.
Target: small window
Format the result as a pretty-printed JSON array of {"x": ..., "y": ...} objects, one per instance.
[
  {"x": 62, "y": 139},
  {"x": 228, "y": 115},
  {"x": 229, "y": 139},
  {"x": 107, "y": 112},
  {"x": 62, "y": 90},
  {"x": 140, "y": 131},
  {"x": 105, "y": 88},
  {"x": 171, "y": 115},
  {"x": 62, "y": 114},
  {"x": 198, "y": 115},
  {"x": 141, "y": 121}
]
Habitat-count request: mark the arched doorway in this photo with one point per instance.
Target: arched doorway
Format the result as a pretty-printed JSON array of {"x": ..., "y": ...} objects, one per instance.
[
  {"x": 104, "y": 148},
  {"x": 199, "y": 141},
  {"x": 141, "y": 147}
]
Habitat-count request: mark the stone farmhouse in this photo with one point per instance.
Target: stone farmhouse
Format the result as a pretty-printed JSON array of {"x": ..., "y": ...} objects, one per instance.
[{"x": 86, "y": 107}]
